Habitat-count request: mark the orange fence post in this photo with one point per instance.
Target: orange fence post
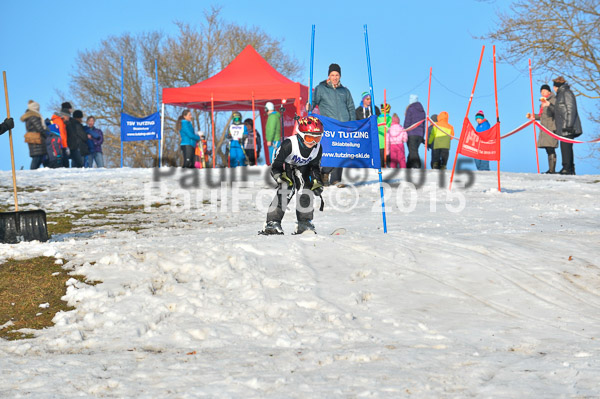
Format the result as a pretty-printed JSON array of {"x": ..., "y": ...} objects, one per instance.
[
  {"x": 427, "y": 119},
  {"x": 533, "y": 114},
  {"x": 460, "y": 141}
]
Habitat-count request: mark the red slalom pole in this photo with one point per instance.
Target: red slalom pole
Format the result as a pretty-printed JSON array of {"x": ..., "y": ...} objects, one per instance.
[
  {"x": 497, "y": 114},
  {"x": 427, "y": 119},
  {"x": 384, "y": 129},
  {"x": 462, "y": 137},
  {"x": 537, "y": 158}
]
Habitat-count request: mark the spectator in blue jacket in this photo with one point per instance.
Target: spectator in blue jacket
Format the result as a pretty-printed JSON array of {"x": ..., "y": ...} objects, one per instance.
[
  {"x": 482, "y": 126},
  {"x": 95, "y": 140},
  {"x": 188, "y": 137}
]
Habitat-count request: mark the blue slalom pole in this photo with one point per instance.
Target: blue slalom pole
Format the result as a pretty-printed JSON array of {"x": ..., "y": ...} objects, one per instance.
[
  {"x": 122, "y": 102},
  {"x": 373, "y": 113},
  {"x": 312, "y": 57}
]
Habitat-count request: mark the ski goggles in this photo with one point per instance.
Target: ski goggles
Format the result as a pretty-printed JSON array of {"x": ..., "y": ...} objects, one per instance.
[{"x": 309, "y": 138}]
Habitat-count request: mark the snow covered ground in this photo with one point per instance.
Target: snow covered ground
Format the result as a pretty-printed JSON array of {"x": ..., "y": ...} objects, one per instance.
[{"x": 478, "y": 293}]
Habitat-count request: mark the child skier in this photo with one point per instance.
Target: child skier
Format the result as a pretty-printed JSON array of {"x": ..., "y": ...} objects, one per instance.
[
  {"x": 395, "y": 139},
  {"x": 296, "y": 168},
  {"x": 440, "y": 139},
  {"x": 237, "y": 135}
]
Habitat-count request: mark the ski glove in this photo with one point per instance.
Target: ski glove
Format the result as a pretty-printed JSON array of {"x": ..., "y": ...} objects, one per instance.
[
  {"x": 282, "y": 179},
  {"x": 8, "y": 124},
  {"x": 317, "y": 187}
]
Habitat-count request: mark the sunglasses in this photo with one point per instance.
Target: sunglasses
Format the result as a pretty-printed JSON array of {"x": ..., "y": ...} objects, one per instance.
[{"x": 312, "y": 139}]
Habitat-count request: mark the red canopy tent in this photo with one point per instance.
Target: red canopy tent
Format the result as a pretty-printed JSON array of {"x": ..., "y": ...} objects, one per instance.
[{"x": 246, "y": 84}]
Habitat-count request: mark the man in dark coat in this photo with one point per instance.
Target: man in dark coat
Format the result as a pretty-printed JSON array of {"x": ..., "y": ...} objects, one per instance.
[
  {"x": 77, "y": 139},
  {"x": 567, "y": 122},
  {"x": 414, "y": 113},
  {"x": 334, "y": 101}
]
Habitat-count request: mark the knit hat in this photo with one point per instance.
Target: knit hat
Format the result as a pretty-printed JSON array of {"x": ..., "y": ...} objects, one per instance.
[
  {"x": 365, "y": 94},
  {"x": 386, "y": 108},
  {"x": 269, "y": 106},
  {"x": 334, "y": 68},
  {"x": 395, "y": 119},
  {"x": 559, "y": 81},
  {"x": 545, "y": 87},
  {"x": 66, "y": 108},
  {"x": 33, "y": 106},
  {"x": 77, "y": 114},
  {"x": 413, "y": 99},
  {"x": 479, "y": 115}
]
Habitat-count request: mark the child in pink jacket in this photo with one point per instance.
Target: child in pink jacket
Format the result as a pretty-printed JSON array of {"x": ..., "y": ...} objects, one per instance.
[{"x": 395, "y": 139}]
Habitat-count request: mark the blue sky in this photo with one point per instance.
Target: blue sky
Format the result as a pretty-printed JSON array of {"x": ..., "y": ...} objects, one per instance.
[{"x": 42, "y": 40}]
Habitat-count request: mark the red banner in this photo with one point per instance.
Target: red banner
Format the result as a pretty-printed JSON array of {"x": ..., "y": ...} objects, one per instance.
[{"x": 480, "y": 145}]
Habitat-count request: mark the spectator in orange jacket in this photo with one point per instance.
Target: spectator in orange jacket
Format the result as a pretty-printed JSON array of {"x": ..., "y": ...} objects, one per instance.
[{"x": 60, "y": 119}]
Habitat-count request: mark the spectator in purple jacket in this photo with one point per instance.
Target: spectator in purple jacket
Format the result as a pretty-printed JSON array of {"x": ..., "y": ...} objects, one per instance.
[
  {"x": 95, "y": 139},
  {"x": 414, "y": 113}
]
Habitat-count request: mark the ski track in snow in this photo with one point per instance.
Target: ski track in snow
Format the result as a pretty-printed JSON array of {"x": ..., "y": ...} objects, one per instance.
[{"x": 479, "y": 303}]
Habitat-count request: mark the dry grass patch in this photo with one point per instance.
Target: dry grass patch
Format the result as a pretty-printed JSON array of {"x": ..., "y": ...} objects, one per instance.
[{"x": 24, "y": 286}]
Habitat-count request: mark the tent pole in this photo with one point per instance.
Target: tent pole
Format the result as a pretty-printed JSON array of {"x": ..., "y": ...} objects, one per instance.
[
  {"x": 254, "y": 127},
  {"x": 212, "y": 119},
  {"x": 162, "y": 135}
]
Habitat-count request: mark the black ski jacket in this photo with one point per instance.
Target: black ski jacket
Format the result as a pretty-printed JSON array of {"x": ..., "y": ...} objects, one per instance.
[{"x": 565, "y": 113}]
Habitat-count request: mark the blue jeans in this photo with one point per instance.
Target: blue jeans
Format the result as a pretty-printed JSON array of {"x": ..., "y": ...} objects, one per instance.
[
  {"x": 36, "y": 161},
  {"x": 275, "y": 145},
  {"x": 482, "y": 165},
  {"x": 76, "y": 158},
  {"x": 94, "y": 157}
]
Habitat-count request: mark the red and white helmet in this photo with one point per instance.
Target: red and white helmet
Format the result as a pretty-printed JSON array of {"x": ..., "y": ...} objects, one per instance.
[{"x": 310, "y": 126}]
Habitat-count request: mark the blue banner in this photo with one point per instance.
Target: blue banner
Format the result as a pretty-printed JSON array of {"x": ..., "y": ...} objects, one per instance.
[
  {"x": 135, "y": 129},
  {"x": 353, "y": 144}
]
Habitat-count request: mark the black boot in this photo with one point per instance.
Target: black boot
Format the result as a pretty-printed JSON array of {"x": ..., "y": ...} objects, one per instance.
[
  {"x": 272, "y": 227},
  {"x": 305, "y": 227},
  {"x": 567, "y": 170},
  {"x": 551, "y": 164}
]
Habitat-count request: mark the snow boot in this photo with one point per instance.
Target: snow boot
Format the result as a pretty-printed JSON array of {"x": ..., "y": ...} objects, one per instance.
[
  {"x": 305, "y": 227},
  {"x": 551, "y": 164},
  {"x": 568, "y": 170},
  {"x": 272, "y": 227}
]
